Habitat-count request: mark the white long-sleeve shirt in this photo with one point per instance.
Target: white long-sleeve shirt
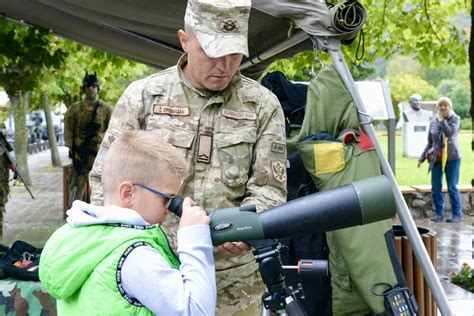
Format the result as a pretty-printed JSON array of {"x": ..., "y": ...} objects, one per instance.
[{"x": 147, "y": 277}]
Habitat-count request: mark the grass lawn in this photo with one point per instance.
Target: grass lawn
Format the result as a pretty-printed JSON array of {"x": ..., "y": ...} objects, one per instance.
[{"x": 408, "y": 174}]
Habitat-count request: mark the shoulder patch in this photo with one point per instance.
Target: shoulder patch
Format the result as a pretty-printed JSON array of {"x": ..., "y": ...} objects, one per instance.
[
  {"x": 278, "y": 171},
  {"x": 110, "y": 137},
  {"x": 278, "y": 148}
]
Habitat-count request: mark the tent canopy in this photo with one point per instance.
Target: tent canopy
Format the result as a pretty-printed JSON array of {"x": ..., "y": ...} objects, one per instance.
[{"x": 146, "y": 30}]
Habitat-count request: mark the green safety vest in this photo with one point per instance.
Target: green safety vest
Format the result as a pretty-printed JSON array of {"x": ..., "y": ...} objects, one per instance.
[{"x": 80, "y": 267}]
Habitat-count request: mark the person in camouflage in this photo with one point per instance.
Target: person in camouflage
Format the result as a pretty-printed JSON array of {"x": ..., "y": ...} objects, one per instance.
[
  {"x": 84, "y": 125},
  {"x": 230, "y": 127},
  {"x": 5, "y": 167}
]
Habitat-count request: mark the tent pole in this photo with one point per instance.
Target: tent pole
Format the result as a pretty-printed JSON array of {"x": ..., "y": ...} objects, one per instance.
[
  {"x": 274, "y": 50},
  {"x": 402, "y": 208}
]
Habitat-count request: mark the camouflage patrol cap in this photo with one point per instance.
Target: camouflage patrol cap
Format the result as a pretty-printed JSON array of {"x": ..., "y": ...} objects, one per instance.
[{"x": 220, "y": 26}]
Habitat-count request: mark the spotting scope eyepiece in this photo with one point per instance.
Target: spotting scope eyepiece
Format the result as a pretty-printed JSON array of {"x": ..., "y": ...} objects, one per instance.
[{"x": 358, "y": 203}]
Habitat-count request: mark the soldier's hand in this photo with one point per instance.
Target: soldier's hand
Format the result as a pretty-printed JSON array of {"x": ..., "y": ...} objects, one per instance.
[
  {"x": 233, "y": 249},
  {"x": 12, "y": 167}
]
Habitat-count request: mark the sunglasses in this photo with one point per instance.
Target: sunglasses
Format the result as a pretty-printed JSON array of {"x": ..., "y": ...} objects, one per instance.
[{"x": 168, "y": 198}]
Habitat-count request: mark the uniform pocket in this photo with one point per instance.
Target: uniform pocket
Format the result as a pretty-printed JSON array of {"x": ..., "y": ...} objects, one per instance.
[
  {"x": 234, "y": 149},
  {"x": 179, "y": 138}
]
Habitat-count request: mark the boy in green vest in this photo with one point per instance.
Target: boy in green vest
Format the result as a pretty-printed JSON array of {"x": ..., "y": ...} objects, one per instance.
[{"x": 115, "y": 259}]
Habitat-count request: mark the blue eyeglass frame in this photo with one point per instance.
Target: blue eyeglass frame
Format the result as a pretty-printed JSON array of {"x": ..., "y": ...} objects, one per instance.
[{"x": 168, "y": 197}]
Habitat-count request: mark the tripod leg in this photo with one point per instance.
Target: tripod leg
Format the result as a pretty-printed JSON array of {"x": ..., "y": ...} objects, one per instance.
[
  {"x": 402, "y": 208},
  {"x": 264, "y": 311}
]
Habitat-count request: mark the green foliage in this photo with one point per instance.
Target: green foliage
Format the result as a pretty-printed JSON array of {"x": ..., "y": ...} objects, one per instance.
[
  {"x": 466, "y": 124},
  {"x": 403, "y": 65},
  {"x": 25, "y": 54},
  {"x": 434, "y": 75},
  {"x": 403, "y": 86},
  {"x": 459, "y": 95},
  {"x": 434, "y": 33},
  {"x": 464, "y": 278},
  {"x": 115, "y": 74}
]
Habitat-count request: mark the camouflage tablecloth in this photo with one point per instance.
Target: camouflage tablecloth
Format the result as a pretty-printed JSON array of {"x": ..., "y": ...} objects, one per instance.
[{"x": 23, "y": 298}]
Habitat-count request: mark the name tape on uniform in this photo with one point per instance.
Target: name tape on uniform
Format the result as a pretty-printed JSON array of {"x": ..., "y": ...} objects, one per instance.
[
  {"x": 239, "y": 115},
  {"x": 163, "y": 109}
]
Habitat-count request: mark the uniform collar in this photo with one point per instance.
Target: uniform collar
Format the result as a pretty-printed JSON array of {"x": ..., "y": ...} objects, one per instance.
[{"x": 235, "y": 84}]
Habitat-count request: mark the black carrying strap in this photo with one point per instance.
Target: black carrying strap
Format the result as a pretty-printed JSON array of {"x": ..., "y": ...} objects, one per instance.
[{"x": 392, "y": 251}]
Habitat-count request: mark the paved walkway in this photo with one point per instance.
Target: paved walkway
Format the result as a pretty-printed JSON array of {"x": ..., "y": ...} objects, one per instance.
[{"x": 34, "y": 221}]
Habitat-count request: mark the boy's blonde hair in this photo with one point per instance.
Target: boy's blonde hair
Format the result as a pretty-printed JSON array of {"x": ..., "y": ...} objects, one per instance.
[{"x": 140, "y": 157}]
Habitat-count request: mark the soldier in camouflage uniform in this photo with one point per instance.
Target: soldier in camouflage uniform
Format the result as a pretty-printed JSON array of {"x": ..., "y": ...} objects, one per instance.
[
  {"x": 84, "y": 125},
  {"x": 229, "y": 127},
  {"x": 5, "y": 166}
]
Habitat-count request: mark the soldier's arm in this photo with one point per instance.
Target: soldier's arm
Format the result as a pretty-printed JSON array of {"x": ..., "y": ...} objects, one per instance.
[
  {"x": 266, "y": 186},
  {"x": 69, "y": 119},
  {"x": 124, "y": 117},
  {"x": 108, "y": 116}
]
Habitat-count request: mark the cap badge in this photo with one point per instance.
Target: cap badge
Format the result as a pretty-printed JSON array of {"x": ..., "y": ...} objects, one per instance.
[{"x": 229, "y": 25}]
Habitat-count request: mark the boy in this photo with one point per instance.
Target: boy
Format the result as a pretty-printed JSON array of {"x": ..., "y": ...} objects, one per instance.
[{"x": 115, "y": 260}]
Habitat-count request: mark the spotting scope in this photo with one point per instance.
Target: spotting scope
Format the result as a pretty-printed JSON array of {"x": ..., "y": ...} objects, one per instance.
[{"x": 357, "y": 203}]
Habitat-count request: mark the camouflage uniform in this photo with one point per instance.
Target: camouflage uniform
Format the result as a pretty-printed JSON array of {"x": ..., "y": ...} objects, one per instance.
[
  {"x": 4, "y": 186},
  {"x": 78, "y": 115},
  {"x": 235, "y": 143},
  {"x": 25, "y": 298}
]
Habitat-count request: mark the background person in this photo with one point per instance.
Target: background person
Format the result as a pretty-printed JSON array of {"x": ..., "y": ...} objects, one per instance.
[
  {"x": 229, "y": 127},
  {"x": 116, "y": 260},
  {"x": 445, "y": 153},
  {"x": 84, "y": 125},
  {"x": 5, "y": 167}
]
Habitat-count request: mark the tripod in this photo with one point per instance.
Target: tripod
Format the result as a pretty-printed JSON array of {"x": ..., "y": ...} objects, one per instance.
[{"x": 280, "y": 298}]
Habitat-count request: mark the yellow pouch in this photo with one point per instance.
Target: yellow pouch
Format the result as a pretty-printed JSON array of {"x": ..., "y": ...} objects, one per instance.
[{"x": 328, "y": 157}]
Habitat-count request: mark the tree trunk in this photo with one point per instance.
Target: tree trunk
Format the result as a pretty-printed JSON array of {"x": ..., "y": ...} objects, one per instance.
[
  {"x": 19, "y": 104},
  {"x": 471, "y": 76},
  {"x": 53, "y": 145}
]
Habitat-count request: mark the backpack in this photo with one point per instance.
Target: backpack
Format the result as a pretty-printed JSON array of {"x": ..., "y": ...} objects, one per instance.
[
  {"x": 292, "y": 97},
  {"x": 20, "y": 261}
]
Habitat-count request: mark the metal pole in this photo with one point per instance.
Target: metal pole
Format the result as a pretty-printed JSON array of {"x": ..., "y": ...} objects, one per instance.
[
  {"x": 402, "y": 208},
  {"x": 274, "y": 50},
  {"x": 392, "y": 123}
]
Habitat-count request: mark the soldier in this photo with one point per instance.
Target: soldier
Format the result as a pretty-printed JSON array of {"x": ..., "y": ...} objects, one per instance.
[
  {"x": 416, "y": 113},
  {"x": 84, "y": 125},
  {"x": 229, "y": 127},
  {"x": 5, "y": 166}
]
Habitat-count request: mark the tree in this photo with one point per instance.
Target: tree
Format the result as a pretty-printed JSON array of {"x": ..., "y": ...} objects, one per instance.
[
  {"x": 403, "y": 86},
  {"x": 25, "y": 53},
  {"x": 114, "y": 71}
]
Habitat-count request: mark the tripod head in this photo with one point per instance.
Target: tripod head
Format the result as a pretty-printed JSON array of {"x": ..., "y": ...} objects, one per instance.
[{"x": 280, "y": 297}]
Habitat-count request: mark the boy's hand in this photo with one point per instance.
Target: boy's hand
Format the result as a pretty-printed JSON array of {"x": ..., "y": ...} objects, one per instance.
[
  {"x": 233, "y": 249},
  {"x": 193, "y": 214}
]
